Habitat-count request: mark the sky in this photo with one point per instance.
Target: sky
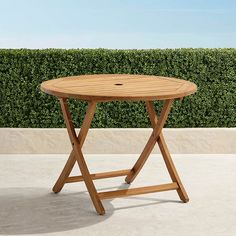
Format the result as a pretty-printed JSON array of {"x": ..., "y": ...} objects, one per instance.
[{"x": 117, "y": 24}]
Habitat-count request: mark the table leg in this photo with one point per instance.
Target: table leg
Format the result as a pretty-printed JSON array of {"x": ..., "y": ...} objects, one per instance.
[
  {"x": 166, "y": 154},
  {"x": 78, "y": 155},
  {"x": 151, "y": 142},
  {"x": 81, "y": 138},
  {"x": 156, "y": 136}
]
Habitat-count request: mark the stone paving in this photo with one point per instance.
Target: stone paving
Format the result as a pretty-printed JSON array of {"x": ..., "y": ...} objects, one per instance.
[{"x": 27, "y": 205}]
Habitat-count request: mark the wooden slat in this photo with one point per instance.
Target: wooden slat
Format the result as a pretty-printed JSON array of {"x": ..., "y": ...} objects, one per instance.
[
  {"x": 137, "y": 191},
  {"x": 109, "y": 87},
  {"x": 102, "y": 175}
]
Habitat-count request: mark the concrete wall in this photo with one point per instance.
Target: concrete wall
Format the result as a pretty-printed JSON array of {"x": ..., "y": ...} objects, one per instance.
[{"x": 119, "y": 141}]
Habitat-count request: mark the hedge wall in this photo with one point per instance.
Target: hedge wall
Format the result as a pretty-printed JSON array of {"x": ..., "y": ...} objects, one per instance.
[{"x": 24, "y": 105}]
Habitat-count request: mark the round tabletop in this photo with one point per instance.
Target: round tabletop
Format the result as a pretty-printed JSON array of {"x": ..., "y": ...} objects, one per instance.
[{"x": 113, "y": 87}]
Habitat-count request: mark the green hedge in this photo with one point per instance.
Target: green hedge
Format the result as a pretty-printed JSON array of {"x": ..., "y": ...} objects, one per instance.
[{"x": 24, "y": 105}]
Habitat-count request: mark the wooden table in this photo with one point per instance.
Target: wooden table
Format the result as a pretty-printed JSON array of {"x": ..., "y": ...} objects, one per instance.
[{"x": 116, "y": 87}]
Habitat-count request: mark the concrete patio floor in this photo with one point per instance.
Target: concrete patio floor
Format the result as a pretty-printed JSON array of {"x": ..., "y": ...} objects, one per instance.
[{"x": 27, "y": 205}]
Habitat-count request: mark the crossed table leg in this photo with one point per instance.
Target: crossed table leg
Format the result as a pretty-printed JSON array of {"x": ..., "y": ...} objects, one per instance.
[{"x": 76, "y": 155}]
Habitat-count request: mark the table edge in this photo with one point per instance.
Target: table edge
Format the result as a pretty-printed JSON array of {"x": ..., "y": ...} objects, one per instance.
[{"x": 115, "y": 98}]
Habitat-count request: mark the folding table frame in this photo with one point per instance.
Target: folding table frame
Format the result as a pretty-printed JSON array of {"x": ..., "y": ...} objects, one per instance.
[{"x": 76, "y": 155}]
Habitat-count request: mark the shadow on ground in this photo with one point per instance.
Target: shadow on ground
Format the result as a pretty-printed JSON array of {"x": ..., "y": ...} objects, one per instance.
[{"x": 36, "y": 210}]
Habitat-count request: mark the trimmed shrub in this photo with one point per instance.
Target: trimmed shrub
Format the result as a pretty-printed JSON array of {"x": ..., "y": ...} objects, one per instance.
[{"x": 22, "y": 103}]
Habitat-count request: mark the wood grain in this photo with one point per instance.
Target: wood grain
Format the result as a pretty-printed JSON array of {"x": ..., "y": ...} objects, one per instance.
[
  {"x": 81, "y": 138},
  {"x": 150, "y": 144},
  {"x": 80, "y": 157},
  {"x": 166, "y": 154},
  {"x": 110, "y": 87},
  {"x": 137, "y": 191},
  {"x": 103, "y": 175}
]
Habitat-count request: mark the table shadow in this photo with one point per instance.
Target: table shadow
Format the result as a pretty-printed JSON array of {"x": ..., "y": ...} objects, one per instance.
[{"x": 37, "y": 210}]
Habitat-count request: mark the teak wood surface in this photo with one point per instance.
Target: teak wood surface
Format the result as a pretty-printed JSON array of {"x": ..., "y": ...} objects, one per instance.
[
  {"x": 113, "y": 87},
  {"x": 107, "y": 87}
]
